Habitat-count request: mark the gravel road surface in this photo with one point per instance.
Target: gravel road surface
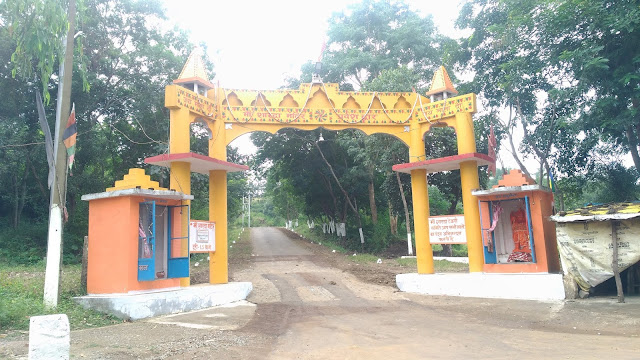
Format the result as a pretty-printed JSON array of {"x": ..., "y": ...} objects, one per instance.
[{"x": 307, "y": 303}]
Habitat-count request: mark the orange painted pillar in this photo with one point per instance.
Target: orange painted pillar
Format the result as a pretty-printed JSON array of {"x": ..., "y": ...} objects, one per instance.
[
  {"x": 420, "y": 197},
  {"x": 469, "y": 181}
]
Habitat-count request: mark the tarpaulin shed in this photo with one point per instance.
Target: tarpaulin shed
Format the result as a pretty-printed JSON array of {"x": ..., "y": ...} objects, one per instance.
[{"x": 594, "y": 239}]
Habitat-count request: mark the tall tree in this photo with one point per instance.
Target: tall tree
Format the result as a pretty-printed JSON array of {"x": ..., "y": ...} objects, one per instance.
[
  {"x": 596, "y": 43},
  {"x": 375, "y": 35},
  {"x": 131, "y": 54},
  {"x": 567, "y": 72}
]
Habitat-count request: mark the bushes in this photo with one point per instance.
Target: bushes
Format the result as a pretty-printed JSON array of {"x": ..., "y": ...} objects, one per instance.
[
  {"x": 380, "y": 237},
  {"x": 25, "y": 245}
]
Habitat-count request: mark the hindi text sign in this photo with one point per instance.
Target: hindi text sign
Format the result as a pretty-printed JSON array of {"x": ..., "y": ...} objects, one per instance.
[
  {"x": 447, "y": 229},
  {"x": 202, "y": 236}
]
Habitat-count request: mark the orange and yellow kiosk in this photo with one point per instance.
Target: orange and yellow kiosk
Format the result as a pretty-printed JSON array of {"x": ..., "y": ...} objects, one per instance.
[
  {"x": 136, "y": 235},
  {"x": 517, "y": 233}
]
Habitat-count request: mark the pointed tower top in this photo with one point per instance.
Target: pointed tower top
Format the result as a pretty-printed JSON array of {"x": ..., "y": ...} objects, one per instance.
[
  {"x": 441, "y": 83},
  {"x": 193, "y": 71}
]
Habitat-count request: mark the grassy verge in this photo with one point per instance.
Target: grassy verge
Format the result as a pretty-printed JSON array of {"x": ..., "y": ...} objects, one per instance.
[
  {"x": 21, "y": 293},
  {"x": 329, "y": 241},
  {"x": 239, "y": 246},
  {"x": 363, "y": 258},
  {"x": 438, "y": 265},
  {"x": 21, "y": 289}
]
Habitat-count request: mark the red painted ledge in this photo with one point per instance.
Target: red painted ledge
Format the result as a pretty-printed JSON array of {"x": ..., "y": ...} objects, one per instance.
[
  {"x": 447, "y": 163},
  {"x": 199, "y": 163}
]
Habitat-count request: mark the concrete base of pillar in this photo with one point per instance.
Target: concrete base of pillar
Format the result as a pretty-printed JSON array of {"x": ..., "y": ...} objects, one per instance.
[
  {"x": 540, "y": 286},
  {"x": 140, "y": 305}
]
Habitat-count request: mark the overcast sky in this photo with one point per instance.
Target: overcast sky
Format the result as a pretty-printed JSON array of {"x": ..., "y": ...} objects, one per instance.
[{"x": 256, "y": 44}]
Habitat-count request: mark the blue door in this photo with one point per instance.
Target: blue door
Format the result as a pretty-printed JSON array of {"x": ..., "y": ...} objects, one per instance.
[
  {"x": 531, "y": 243},
  {"x": 178, "y": 236},
  {"x": 147, "y": 241}
]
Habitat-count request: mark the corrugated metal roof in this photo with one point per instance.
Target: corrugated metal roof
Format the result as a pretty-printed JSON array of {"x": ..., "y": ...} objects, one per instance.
[{"x": 600, "y": 212}]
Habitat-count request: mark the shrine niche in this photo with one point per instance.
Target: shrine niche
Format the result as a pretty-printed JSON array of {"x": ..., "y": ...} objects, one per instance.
[
  {"x": 137, "y": 230},
  {"x": 517, "y": 234}
]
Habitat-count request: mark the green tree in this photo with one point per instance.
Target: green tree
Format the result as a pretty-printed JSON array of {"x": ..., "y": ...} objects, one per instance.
[
  {"x": 567, "y": 71},
  {"x": 372, "y": 36},
  {"x": 597, "y": 45},
  {"x": 130, "y": 57}
]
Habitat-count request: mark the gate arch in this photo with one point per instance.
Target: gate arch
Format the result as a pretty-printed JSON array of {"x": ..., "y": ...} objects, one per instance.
[{"x": 230, "y": 113}]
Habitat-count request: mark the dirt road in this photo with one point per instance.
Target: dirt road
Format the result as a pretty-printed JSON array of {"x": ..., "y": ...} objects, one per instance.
[{"x": 305, "y": 305}]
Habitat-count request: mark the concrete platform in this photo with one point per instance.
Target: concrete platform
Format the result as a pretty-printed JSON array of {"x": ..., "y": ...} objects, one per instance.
[
  {"x": 140, "y": 305},
  {"x": 501, "y": 286}
]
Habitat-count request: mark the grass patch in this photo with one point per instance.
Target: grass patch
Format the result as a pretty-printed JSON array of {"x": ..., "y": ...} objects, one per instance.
[
  {"x": 363, "y": 258},
  {"x": 438, "y": 265},
  {"x": 239, "y": 244},
  {"x": 409, "y": 262},
  {"x": 22, "y": 290}
]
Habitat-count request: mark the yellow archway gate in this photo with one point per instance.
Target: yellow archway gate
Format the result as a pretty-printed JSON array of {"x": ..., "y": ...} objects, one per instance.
[{"x": 229, "y": 113}]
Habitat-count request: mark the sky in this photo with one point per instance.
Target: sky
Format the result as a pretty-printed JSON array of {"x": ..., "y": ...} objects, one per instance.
[{"x": 256, "y": 44}]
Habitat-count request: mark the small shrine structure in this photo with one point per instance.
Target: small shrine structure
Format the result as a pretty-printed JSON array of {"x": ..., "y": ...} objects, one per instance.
[
  {"x": 517, "y": 232},
  {"x": 136, "y": 232}
]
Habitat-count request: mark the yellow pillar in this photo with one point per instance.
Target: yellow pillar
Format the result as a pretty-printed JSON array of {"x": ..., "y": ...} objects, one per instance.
[
  {"x": 420, "y": 196},
  {"x": 180, "y": 172},
  {"x": 179, "y": 131},
  {"x": 218, "y": 260},
  {"x": 469, "y": 181}
]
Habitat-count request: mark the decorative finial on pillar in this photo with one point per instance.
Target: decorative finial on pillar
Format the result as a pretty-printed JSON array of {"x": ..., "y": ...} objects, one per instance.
[
  {"x": 193, "y": 75},
  {"x": 441, "y": 86}
]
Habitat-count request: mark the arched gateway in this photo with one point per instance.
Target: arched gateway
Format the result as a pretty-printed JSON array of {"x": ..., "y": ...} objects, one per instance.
[{"x": 229, "y": 113}]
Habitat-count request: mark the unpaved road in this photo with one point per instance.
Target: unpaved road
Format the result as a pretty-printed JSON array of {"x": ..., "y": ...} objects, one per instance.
[{"x": 306, "y": 306}]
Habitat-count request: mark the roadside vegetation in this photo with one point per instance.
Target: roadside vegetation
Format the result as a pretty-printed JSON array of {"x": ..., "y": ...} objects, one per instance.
[
  {"x": 21, "y": 292},
  {"x": 330, "y": 241}
]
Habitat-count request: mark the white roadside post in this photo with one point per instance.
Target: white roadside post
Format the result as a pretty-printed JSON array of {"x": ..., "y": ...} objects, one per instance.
[{"x": 59, "y": 184}]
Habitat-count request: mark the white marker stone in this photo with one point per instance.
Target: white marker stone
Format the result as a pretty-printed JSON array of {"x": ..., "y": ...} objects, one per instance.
[{"x": 49, "y": 337}]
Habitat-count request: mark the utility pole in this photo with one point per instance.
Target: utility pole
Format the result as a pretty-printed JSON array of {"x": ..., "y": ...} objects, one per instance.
[
  {"x": 59, "y": 185},
  {"x": 243, "y": 210},
  {"x": 249, "y": 210}
]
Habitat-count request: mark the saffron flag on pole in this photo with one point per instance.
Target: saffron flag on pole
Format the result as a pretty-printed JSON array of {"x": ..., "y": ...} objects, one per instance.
[
  {"x": 69, "y": 137},
  {"x": 492, "y": 151},
  {"x": 324, "y": 47}
]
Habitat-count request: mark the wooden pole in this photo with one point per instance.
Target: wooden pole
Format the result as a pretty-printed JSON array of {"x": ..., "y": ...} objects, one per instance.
[
  {"x": 614, "y": 263},
  {"x": 85, "y": 262}
]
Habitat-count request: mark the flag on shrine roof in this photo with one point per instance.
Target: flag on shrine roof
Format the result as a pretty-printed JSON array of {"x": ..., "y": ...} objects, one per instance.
[{"x": 69, "y": 137}]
